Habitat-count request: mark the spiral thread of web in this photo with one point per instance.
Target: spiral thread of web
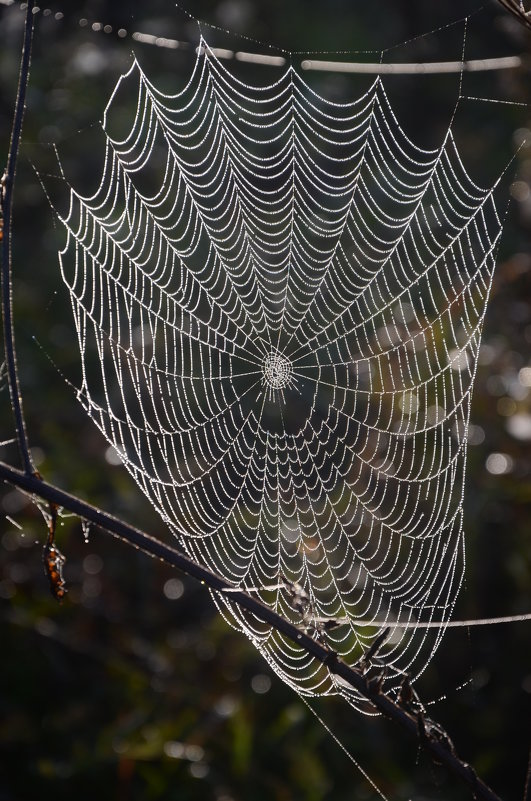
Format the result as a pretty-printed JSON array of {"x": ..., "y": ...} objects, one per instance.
[{"x": 283, "y": 297}]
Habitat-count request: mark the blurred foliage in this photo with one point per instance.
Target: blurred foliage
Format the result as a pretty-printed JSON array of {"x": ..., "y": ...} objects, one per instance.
[{"x": 134, "y": 688}]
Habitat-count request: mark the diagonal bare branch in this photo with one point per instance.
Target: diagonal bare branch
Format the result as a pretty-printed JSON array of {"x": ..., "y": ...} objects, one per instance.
[{"x": 430, "y": 736}]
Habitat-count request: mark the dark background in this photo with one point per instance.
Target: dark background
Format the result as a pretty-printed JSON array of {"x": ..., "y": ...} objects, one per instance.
[{"x": 134, "y": 688}]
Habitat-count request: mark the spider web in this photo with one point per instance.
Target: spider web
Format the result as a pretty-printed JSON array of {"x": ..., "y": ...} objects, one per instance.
[{"x": 285, "y": 296}]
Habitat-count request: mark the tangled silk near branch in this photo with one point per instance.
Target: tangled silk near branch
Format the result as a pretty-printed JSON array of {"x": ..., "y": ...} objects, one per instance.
[{"x": 285, "y": 298}]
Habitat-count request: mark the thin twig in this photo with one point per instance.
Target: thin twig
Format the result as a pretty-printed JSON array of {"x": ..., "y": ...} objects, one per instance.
[
  {"x": 432, "y": 742},
  {"x": 53, "y": 558},
  {"x": 377, "y": 68},
  {"x": 516, "y": 7},
  {"x": 423, "y": 68},
  {"x": 6, "y": 201}
]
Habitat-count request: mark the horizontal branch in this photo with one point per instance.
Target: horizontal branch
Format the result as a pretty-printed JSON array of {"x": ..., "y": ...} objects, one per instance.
[
  {"x": 361, "y": 67},
  {"x": 422, "y": 68},
  {"x": 439, "y": 748}
]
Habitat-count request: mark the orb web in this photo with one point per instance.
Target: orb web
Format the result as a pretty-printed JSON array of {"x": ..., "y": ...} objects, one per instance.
[{"x": 285, "y": 296}]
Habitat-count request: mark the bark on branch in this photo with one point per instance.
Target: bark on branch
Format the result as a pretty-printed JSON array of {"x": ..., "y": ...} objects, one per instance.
[{"x": 430, "y": 736}]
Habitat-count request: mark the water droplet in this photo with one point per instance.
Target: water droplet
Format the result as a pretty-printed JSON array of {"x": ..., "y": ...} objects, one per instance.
[{"x": 85, "y": 528}]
